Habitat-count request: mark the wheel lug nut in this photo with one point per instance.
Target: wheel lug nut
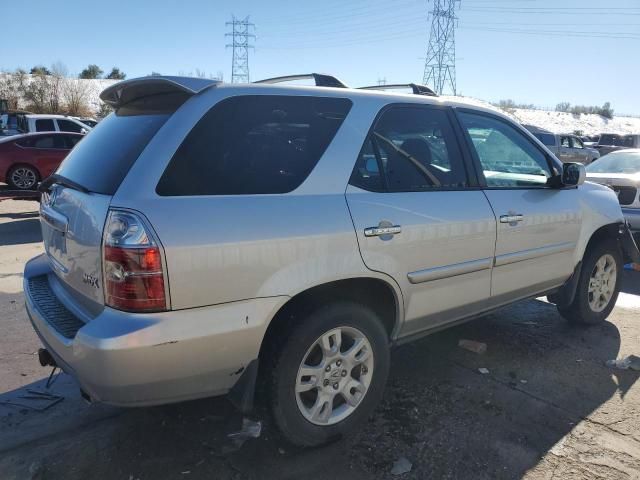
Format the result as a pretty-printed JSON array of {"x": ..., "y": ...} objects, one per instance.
[
  {"x": 364, "y": 370},
  {"x": 327, "y": 368},
  {"x": 335, "y": 386},
  {"x": 338, "y": 363},
  {"x": 325, "y": 383},
  {"x": 344, "y": 373}
]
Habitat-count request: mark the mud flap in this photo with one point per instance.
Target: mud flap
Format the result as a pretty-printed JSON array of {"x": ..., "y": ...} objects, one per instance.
[
  {"x": 628, "y": 243},
  {"x": 564, "y": 297},
  {"x": 243, "y": 392}
]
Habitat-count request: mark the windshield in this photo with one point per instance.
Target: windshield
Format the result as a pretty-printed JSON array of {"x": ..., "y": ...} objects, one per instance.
[{"x": 618, "y": 162}]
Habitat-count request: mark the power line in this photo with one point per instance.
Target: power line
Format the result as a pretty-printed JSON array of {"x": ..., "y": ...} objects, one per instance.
[
  {"x": 240, "y": 38},
  {"x": 440, "y": 64}
]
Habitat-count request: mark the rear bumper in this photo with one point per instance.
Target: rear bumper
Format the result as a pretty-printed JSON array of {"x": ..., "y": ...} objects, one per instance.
[
  {"x": 632, "y": 215},
  {"x": 128, "y": 359}
]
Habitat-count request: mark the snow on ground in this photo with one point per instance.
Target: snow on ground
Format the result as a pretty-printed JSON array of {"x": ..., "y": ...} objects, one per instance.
[{"x": 561, "y": 122}]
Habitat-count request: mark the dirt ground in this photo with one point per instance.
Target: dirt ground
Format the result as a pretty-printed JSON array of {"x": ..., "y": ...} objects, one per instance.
[{"x": 549, "y": 408}]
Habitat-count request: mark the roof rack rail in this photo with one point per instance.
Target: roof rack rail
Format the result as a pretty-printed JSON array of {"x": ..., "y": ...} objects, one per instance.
[
  {"x": 417, "y": 89},
  {"x": 321, "y": 79}
]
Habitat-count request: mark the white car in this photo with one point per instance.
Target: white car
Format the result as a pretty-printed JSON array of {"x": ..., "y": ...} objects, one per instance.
[
  {"x": 620, "y": 170},
  {"x": 51, "y": 123}
]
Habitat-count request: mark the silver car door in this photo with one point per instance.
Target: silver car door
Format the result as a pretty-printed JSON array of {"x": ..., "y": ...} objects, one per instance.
[
  {"x": 417, "y": 220},
  {"x": 538, "y": 226}
]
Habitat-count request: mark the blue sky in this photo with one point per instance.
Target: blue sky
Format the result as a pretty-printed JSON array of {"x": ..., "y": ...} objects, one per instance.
[{"x": 532, "y": 51}]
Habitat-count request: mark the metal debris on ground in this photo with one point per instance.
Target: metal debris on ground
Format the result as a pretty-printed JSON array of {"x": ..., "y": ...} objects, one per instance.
[
  {"x": 473, "y": 346},
  {"x": 401, "y": 466},
  {"x": 35, "y": 400},
  {"x": 629, "y": 362},
  {"x": 250, "y": 429},
  {"x": 483, "y": 370}
]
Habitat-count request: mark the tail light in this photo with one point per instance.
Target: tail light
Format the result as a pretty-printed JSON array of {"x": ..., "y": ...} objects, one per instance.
[{"x": 133, "y": 272}]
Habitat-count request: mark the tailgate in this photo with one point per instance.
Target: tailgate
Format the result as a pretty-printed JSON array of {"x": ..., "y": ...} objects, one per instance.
[{"x": 72, "y": 224}]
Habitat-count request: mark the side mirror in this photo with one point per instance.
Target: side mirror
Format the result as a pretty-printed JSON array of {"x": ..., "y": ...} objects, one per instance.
[{"x": 573, "y": 174}]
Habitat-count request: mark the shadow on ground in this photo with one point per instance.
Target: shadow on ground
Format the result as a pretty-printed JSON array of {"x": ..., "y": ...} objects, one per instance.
[
  {"x": 438, "y": 411},
  {"x": 20, "y": 230}
]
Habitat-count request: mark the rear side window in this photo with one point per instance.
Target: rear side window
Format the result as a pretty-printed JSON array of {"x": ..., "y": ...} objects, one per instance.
[
  {"x": 255, "y": 144},
  {"x": 102, "y": 159},
  {"x": 45, "y": 125},
  {"x": 68, "y": 126},
  {"x": 546, "y": 138}
]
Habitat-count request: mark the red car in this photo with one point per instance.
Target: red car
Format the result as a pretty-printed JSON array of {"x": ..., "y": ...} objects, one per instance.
[{"x": 26, "y": 159}]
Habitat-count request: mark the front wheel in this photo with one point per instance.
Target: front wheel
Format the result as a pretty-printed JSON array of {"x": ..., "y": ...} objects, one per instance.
[
  {"x": 598, "y": 285},
  {"x": 329, "y": 374}
]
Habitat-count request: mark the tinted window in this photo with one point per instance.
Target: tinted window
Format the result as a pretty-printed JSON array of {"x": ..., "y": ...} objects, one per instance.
[
  {"x": 508, "y": 159},
  {"x": 115, "y": 144},
  {"x": 546, "y": 138},
  {"x": 25, "y": 142},
  {"x": 253, "y": 145},
  {"x": 410, "y": 149},
  {"x": 564, "y": 142},
  {"x": 71, "y": 140},
  {"x": 45, "y": 125},
  {"x": 576, "y": 142},
  {"x": 68, "y": 126},
  {"x": 50, "y": 141}
]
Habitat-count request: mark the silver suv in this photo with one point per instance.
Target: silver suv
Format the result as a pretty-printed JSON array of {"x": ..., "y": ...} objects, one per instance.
[{"x": 207, "y": 238}]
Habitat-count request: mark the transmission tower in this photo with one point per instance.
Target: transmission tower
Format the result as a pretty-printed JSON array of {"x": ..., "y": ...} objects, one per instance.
[
  {"x": 440, "y": 64},
  {"x": 240, "y": 37}
]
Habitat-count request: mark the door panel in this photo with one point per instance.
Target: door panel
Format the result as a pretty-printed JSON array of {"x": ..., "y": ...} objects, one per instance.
[
  {"x": 539, "y": 248},
  {"x": 442, "y": 256},
  {"x": 537, "y": 226}
]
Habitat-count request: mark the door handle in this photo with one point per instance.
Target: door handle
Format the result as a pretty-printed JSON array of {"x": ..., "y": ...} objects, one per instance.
[
  {"x": 511, "y": 218},
  {"x": 381, "y": 231}
]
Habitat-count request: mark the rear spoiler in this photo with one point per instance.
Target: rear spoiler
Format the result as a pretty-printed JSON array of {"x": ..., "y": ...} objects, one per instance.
[{"x": 127, "y": 91}]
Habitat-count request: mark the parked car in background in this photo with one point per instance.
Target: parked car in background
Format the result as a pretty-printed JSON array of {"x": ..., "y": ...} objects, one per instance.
[
  {"x": 26, "y": 159},
  {"x": 610, "y": 142},
  {"x": 31, "y": 123},
  {"x": 92, "y": 122},
  {"x": 206, "y": 235},
  {"x": 620, "y": 170},
  {"x": 567, "y": 147}
]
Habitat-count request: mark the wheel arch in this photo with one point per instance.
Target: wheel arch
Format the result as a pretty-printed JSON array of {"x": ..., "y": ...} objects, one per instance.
[{"x": 384, "y": 297}]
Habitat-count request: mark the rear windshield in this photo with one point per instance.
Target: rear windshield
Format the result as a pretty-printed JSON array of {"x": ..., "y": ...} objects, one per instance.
[
  {"x": 101, "y": 161},
  {"x": 254, "y": 145},
  {"x": 616, "y": 140}
]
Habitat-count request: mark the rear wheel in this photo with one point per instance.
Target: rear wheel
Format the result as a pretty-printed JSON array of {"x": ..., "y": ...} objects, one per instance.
[
  {"x": 598, "y": 286},
  {"x": 23, "y": 177},
  {"x": 329, "y": 373}
]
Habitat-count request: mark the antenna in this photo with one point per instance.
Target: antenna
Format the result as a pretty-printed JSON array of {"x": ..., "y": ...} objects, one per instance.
[{"x": 240, "y": 37}]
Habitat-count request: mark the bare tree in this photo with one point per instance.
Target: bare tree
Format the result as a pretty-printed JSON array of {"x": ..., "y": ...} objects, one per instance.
[
  {"x": 76, "y": 94},
  {"x": 11, "y": 87}
]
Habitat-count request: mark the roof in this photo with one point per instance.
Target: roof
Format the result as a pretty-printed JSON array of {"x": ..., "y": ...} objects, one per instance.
[
  {"x": 48, "y": 115},
  {"x": 129, "y": 90},
  {"x": 11, "y": 138}
]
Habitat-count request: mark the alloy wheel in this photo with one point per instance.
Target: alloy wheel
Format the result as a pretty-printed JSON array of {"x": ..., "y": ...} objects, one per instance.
[
  {"x": 23, "y": 178},
  {"x": 334, "y": 376},
  {"x": 602, "y": 283}
]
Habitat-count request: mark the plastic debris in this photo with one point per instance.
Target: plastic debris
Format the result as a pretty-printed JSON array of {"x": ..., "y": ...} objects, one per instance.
[
  {"x": 483, "y": 371},
  {"x": 401, "y": 466},
  {"x": 629, "y": 362},
  {"x": 473, "y": 346},
  {"x": 250, "y": 429},
  {"x": 632, "y": 266}
]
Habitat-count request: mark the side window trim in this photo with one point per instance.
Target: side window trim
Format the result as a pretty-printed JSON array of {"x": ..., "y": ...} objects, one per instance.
[
  {"x": 553, "y": 167},
  {"x": 468, "y": 165}
]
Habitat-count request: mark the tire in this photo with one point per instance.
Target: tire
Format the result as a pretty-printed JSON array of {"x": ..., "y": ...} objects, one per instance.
[
  {"x": 321, "y": 413},
  {"x": 23, "y": 177},
  {"x": 591, "y": 304}
]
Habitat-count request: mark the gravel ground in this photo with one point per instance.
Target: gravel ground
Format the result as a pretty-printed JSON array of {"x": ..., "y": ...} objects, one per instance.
[{"x": 548, "y": 408}]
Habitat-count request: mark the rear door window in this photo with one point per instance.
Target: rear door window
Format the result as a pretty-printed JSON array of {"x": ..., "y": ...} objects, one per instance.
[
  {"x": 254, "y": 144},
  {"x": 45, "y": 141},
  {"x": 45, "y": 125},
  {"x": 69, "y": 126},
  {"x": 411, "y": 149}
]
